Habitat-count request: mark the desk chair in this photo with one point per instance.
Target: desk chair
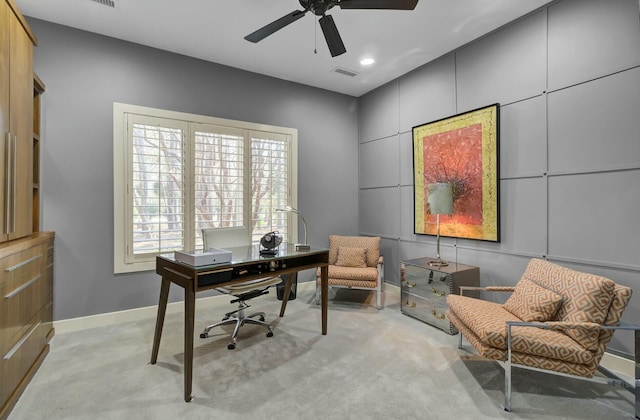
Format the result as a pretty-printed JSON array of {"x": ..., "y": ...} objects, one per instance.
[{"x": 230, "y": 238}]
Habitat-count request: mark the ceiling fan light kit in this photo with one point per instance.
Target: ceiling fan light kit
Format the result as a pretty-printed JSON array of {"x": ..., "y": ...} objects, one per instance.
[{"x": 329, "y": 29}]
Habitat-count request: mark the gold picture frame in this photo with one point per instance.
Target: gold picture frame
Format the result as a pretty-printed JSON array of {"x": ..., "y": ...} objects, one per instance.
[{"x": 462, "y": 150}]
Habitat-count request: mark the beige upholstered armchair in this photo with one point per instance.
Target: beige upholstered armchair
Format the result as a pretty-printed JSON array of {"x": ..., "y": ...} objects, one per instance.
[
  {"x": 355, "y": 263},
  {"x": 556, "y": 320}
]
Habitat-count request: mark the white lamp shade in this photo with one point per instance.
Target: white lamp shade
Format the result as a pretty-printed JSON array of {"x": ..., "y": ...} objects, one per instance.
[{"x": 440, "y": 198}]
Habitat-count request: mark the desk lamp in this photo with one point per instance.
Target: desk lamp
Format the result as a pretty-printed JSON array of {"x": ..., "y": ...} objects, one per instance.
[
  {"x": 440, "y": 200},
  {"x": 304, "y": 246}
]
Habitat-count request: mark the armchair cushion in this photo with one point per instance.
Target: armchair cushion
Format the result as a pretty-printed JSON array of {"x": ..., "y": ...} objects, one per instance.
[
  {"x": 549, "y": 344},
  {"x": 368, "y": 274},
  {"x": 586, "y": 297},
  {"x": 487, "y": 320},
  {"x": 351, "y": 257},
  {"x": 531, "y": 302},
  {"x": 372, "y": 244}
]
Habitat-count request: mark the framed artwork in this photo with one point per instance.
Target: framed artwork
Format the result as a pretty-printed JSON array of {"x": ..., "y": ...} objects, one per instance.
[{"x": 462, "y": 151}]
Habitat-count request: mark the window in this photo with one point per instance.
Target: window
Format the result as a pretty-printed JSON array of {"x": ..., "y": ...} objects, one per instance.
[{"x": 176, "y": 173}]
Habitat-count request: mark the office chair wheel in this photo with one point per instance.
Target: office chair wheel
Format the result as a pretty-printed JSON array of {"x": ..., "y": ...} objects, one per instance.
[
  {"x": 231, "y": 346},
  {"x": 270, "y": 334},
  {"x": 262, "y": 318},
  {"x": 204, "y": 335}
]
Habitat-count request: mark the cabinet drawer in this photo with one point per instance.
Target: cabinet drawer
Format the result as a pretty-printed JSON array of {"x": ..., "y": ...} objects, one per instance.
[
  {"x": 19, "y": 358},
  {"x": 428, "y": 310},
  {"x": 23, "y": 292},
  {"x": 426, "y": 282}
]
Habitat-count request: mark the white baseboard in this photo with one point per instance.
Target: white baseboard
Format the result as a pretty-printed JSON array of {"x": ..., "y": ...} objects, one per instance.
[
  {"x": 620, "y": 365},
  {"x": 111, "y": 318}
]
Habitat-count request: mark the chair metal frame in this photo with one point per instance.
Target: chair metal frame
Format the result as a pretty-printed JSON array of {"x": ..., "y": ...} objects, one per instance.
[{"x": 378, "y": 289}]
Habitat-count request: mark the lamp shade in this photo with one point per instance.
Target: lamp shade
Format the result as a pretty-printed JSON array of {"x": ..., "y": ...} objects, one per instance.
[{"x": 440, "y": 198}]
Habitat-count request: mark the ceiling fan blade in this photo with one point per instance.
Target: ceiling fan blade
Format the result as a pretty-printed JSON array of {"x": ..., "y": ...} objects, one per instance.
[
  {"x": 275, "y": 26},
  {"x": 330, "y": 31},
  {"x": 378, "y": 4}
]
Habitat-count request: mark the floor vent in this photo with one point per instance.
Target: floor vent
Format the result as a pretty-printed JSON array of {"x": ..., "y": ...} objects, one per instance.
[
  {"x": 345, "y": 72},
  {"x": 109, "y": 3}
]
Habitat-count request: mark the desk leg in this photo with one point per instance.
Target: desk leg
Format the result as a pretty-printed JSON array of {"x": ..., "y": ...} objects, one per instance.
[
  {"x": 324, "y": 286},
  {"x": 287, "y": 291},
  {"x": 162, "y": 309},
  {"x": 189, "y": 315}
]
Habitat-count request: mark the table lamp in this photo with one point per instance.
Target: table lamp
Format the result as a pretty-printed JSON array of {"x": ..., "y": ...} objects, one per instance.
[
  {"x": 303, "y": 246},
  {"x": 440, "y": 200}
]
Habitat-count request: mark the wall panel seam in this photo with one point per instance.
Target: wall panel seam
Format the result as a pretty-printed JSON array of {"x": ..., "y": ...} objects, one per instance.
[{"x": 593, "y": 79}]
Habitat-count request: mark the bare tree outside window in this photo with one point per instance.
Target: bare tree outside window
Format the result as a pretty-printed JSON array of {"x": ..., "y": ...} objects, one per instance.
[
  {"x": 157, "y": 191},
  {"x": 219, "y": 186}
]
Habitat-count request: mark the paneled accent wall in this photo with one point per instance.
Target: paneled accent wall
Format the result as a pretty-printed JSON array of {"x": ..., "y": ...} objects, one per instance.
[{"x": 567, "y": 78}]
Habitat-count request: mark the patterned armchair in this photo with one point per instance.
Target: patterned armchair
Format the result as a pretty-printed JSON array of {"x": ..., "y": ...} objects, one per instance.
[
  {"x": 556, "y": 320},
  {"x": 355, "y": 263}
]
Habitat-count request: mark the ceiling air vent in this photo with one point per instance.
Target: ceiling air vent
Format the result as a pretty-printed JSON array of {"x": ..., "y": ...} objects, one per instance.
[
  {"x": 345, "y": 72},
  {"x": 109, "y": 3}
]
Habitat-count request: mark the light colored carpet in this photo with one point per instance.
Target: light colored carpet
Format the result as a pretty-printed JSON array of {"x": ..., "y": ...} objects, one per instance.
[{"x": 371, "y": 365}]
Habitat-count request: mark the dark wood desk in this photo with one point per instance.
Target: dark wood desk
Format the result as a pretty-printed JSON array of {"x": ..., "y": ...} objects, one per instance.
[{"x": 247, "y": 264}]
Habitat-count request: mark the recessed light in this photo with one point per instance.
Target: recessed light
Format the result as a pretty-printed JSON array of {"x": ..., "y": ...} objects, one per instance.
[{"x": 367, "y": 61}]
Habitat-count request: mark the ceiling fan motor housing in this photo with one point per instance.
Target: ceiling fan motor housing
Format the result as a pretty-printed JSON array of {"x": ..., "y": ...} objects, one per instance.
[{"x": 318, "y": 7}]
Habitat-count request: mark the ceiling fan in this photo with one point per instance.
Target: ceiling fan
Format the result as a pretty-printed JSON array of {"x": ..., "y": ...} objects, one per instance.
[{"x": 329, "y": 29}]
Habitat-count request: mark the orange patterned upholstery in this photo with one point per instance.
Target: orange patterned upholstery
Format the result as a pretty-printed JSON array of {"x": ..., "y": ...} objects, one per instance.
[
  {"x": 351, "y": 257},
  {"x": 531, "y": 302},
  {"x": 587, "y": 297},
  {"x": 370, "y": 243},
  {"x": 363, "y": 274},
  {"x": 565, "y": 343}
]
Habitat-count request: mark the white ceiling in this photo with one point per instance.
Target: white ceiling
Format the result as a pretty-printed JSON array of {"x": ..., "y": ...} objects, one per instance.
[{"x": 213, "y": 30}]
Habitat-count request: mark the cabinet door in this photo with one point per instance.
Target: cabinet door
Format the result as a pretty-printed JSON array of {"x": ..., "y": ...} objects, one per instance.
[
  {"x": 4, "y": 109},
  {"x": 21, "y": 117}
]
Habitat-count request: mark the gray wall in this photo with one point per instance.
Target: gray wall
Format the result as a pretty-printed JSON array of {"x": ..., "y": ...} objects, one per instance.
[
  {"x": 567, "y": 78},
  {"x": 85, "y": 73}
]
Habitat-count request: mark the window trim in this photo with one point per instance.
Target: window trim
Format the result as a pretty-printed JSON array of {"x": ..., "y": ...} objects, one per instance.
[{"x": 120, "y": 168}]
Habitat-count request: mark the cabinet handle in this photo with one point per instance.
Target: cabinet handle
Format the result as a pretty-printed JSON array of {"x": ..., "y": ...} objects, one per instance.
[
  {"x": 435, "y": 292},
  {"x": 7, "y": 179},
  {"x": 412, "y": 305},
  {"x": 435, "y": 314},
  {"x": 409, "y": 285},
  {"x": 15, "y": 175},
  {"x": 23, "y": 263},
  {"x": 23, "y": 287},
  {"x": 19, "y": 344}
]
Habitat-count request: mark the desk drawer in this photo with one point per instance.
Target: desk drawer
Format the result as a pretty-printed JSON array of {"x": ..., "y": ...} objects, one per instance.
[{"x": 209, "y": 278}]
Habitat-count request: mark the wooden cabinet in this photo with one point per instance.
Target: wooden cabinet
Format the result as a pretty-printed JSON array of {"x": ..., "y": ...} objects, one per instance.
[
  {"x": 26, "y": 312},
  {"x": 16, "y": 123},
  {"x": 26, "y": 258},
  {"x": 424, "y": 289}
]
